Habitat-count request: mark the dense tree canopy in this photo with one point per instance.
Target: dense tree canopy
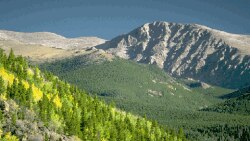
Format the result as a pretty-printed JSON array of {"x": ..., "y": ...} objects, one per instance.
[{"x": 68, "y": 110}]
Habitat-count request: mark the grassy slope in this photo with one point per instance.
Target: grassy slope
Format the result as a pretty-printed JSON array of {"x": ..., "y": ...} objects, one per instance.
[{"x": 35, "y": 53}]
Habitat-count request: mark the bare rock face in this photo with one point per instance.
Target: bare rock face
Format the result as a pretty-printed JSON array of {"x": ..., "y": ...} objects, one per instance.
[{"x": 188, "y": 51}]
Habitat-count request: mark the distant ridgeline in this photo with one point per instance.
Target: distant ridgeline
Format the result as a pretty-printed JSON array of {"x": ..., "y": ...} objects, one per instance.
[{"x": 38, "y": 106}]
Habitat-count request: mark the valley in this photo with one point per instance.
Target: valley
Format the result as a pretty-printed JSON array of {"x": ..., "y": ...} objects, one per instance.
[{"x": 148, "y": 91}]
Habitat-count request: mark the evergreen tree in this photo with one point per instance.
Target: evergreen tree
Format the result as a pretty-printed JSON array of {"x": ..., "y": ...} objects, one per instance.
[
  {"x": 20, "y": 96},
  {"x": 10, "y": 60},
  {"x": 11, "y": 57},
  {"x": 2, "y": 86},
  {"x": 245, "y": 135},
  {"x": 3, "y": 57},
  {"x": 29, "y": 97},
  {"x": 180, "y": 134},
  {"x": 1, "y": 116},
  {"x": 14, "y": 118}
]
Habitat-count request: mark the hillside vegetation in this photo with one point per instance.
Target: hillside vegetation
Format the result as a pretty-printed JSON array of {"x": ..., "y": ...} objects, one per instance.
[
  {"x": 39, "y": 106},
  {"x": 147, "y": 90},
  {"x": 235, "y": 105},
  {"x": 134, "y": 87}
]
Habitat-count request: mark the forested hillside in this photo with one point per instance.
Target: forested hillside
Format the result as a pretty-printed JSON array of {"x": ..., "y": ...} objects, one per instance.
[
  {"x": 235, "y": 105},
  {"x": 147, "y": 90},
  {"x": 39, "y": 106}
]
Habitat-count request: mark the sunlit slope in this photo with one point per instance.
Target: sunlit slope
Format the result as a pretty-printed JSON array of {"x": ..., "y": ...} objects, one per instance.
[{"x": 39, "y": 106}]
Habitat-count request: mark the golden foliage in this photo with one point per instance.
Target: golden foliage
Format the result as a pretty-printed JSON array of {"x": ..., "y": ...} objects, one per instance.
[
  {"x": 26, "y": 84},
  {"x": 57, "y": 101},
  {"x": 8, "y": 77},
  {"x": 37, "y": 93},
  {"x": 9, "y": 137}
]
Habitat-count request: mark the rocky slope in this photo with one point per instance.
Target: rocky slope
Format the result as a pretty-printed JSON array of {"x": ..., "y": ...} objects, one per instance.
[
  {"x": 188, "y": 51},
  {"x": 30, "y": 127}
]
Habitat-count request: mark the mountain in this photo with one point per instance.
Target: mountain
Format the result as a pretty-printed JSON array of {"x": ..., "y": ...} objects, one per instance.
[
  {"x": 45, "y": 46},
  {"x": 188, "y": 51},
  {"x": 238, "y": 103},
  {"x": 185, "y": 51},
  {"x": 39, "y": 106}
]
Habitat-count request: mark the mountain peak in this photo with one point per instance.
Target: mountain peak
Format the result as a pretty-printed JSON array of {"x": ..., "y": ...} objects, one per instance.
[
  {"x": 187, "y": 50},
  {"x": 241, "y": 42}
]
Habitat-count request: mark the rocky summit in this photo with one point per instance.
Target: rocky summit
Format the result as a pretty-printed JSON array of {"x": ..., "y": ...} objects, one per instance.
[{"x": 188, "y": 51}]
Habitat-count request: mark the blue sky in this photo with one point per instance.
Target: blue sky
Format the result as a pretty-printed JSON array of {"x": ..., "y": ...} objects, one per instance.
[{"x": 109, "y": 18}]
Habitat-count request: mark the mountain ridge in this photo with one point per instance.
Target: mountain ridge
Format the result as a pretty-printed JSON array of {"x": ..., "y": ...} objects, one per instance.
[
  {"x": 39, "y": 47},
  {"x": 185, "y": 50},
  {"x": 50, "y": 39},
  {"x": 182, "y": 50}
]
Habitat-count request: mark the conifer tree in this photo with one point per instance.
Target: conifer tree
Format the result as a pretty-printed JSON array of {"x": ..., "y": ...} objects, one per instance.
[
  {"x": 29, "y": 97},
  {"x": 1, "y": 116},
  {"x": 3, "y": 57},
  {"x": 11, "y": 59},
  {"x": 2, "y": 87}
]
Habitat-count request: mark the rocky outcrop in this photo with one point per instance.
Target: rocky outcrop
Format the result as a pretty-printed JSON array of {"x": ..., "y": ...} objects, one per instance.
[
  {"x": 29, "y": 127},
  {"x": 188, "y": 51}
]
